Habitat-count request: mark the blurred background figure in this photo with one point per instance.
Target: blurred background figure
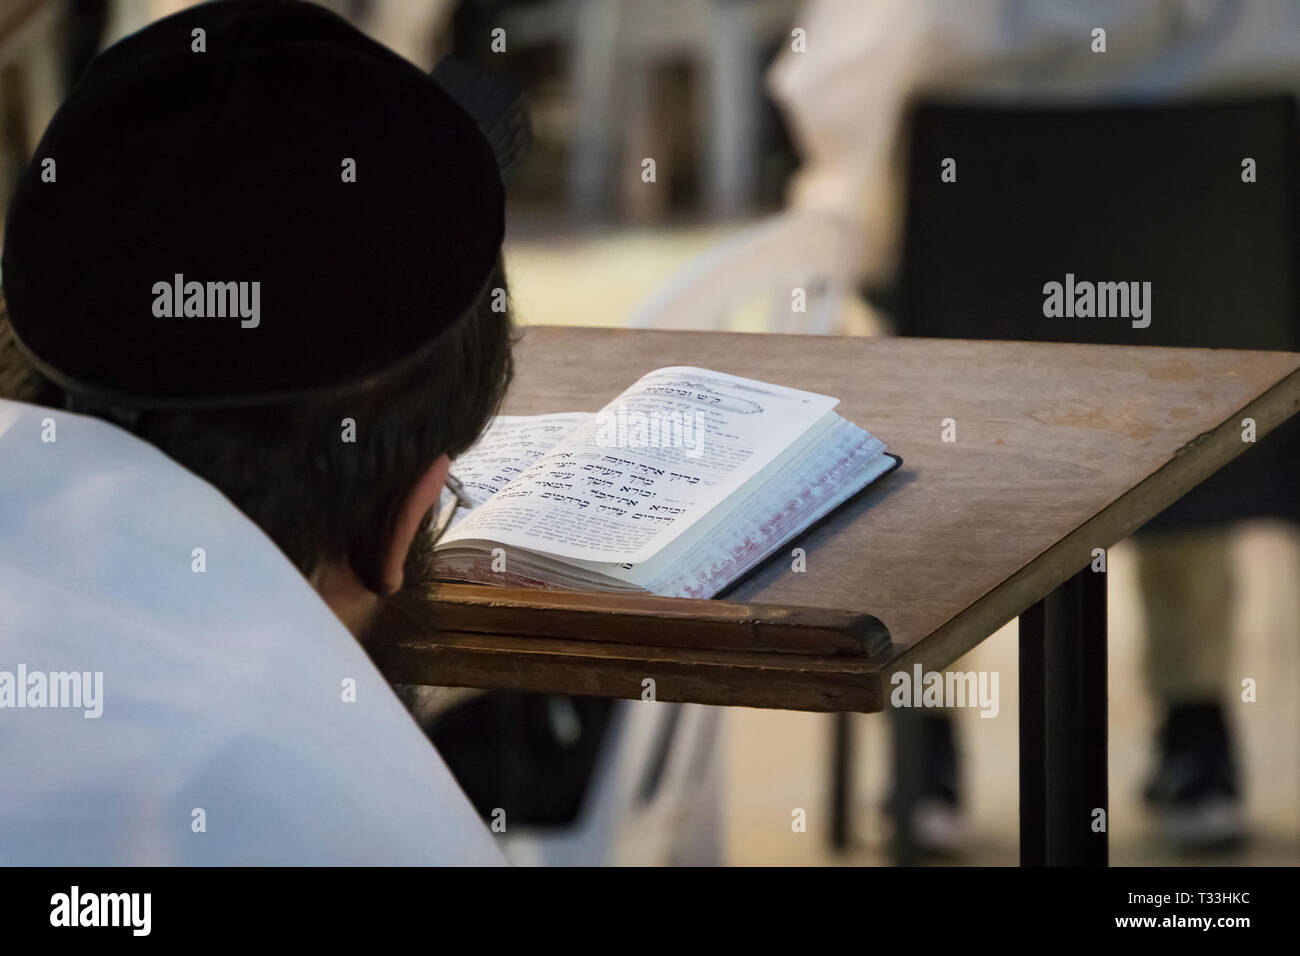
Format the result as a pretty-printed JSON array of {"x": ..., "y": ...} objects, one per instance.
[
  {"x": 780, "y": 137},
  {"x": 852, "y": 109}
]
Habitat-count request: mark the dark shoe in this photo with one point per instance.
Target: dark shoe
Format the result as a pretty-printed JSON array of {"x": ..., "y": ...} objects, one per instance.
[{"x": 1194, "y": 787}]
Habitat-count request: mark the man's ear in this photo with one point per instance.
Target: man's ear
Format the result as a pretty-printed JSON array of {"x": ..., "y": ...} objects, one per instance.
[{"x": 423, "y": 496}]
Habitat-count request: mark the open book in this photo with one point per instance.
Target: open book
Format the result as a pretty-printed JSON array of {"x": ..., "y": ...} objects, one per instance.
[{"x": 678, "y": 487}]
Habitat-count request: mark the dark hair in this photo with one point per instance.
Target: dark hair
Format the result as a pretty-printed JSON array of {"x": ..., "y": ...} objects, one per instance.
[{"x": 287, "y": 467}]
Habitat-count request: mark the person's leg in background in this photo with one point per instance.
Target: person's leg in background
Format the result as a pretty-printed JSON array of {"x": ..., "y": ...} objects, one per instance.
[
  {"x": 87, "y": 20},
  {"x": 1186, "y": 583},
  {"x": 925, "y": 801},
  {"x": 1186, "y": 579}
]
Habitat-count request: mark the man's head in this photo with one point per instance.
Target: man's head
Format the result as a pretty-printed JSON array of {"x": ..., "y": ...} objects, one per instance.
[
  {"x": 340, "y": 484},
  {"x": 249, "y": 145}
]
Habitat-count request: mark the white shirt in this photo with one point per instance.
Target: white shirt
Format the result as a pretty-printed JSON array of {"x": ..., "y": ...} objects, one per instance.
[{"x": 222, "y": 690}]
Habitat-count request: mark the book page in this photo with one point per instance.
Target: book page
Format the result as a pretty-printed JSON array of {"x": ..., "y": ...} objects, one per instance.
[
  {"x": 646, "y": 467},
  {"x": 795, "y": 497},
  {"x": 508, "y": 447}
]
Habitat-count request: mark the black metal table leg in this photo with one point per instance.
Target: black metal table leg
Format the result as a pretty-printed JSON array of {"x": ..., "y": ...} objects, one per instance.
[
  {"x": 1064, "y": 814},
  {"x": 1033, "y": 749},
  {"x": 841, "y": 781}
]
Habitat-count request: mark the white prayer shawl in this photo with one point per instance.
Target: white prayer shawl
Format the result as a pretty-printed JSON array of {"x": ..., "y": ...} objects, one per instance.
[{"x": 223, "y": 690}]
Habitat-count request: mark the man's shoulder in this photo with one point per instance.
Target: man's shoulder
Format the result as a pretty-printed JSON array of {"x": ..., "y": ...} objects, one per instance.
[{"x": 173, "y": 689}]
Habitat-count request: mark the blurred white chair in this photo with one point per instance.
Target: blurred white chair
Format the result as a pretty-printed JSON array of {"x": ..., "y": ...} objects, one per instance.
[
  {"x": 613, "y": 46},
  {"x": 770, "y": 261},
  {"x": 799, "y": 249},
  {"x": 654, "y": 799}
]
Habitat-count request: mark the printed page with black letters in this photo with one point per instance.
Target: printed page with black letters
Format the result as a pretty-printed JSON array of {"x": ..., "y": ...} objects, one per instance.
[{"x": 680, "y": 485}]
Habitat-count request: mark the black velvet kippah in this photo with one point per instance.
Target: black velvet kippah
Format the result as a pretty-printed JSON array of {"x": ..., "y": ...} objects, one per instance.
[{"x": 199, "y": 244}]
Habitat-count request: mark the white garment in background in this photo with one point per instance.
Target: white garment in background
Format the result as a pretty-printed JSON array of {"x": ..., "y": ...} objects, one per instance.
[
  {"x": 222, "y": 690},
  {"x": 867, "y": 61}
]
